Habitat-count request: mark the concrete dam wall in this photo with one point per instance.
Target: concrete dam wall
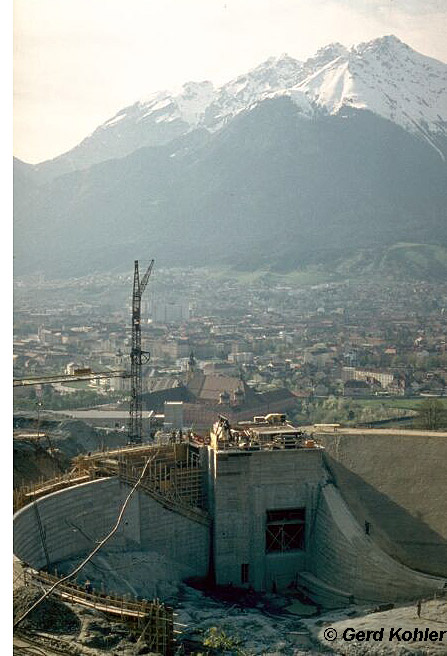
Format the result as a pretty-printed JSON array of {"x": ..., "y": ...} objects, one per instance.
[
  {"x": 66, "y": 525},
  {"x": 397, "y": 482},
  {"x": 344, "y": 557}
]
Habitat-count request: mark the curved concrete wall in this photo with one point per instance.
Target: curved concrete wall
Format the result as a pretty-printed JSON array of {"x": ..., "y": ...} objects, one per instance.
[
  {"x": 73, "y": 520},
  {"x": 344, "y": 557},
  {"x": 398, "y": 483}
]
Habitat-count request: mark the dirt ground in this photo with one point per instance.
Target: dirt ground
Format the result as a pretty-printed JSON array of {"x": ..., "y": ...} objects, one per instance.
[
  {"x": 250, "y": 624},
  {"x": 395, "y": 623}
]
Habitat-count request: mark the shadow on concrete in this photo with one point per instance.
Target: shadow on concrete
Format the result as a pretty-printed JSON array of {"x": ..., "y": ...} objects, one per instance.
[{"x": 402, "y": 535}]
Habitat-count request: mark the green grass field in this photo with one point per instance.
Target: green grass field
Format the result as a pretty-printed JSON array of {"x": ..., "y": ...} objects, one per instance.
[{"x": 401, "y": 404}]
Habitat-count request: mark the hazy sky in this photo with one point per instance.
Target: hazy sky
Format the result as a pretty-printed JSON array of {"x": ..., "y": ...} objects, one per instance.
[{"x": 77, "y": 62}]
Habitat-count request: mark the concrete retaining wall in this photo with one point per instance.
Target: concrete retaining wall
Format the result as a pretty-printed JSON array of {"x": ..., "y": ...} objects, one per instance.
[
  {"x": 73, "y": 520},
  {"x": 398, "y": 483},
  {"x": 345, "y": 557},
  {"x": 173, "y": 535}
]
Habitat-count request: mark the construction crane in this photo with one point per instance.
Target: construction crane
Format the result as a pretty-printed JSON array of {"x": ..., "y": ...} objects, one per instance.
[{"x": 137, "y": 357}]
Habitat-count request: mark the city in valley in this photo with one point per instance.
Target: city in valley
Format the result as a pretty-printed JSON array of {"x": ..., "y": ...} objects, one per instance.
[{"x": 352, "y": 351}]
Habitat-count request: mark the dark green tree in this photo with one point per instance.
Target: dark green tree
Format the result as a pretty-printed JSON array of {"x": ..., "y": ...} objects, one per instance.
[{"x": 431, "y": 414}]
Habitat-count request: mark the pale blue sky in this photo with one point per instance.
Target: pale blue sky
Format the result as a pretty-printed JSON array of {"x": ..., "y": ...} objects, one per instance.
[{"x": 77, "y": 62}]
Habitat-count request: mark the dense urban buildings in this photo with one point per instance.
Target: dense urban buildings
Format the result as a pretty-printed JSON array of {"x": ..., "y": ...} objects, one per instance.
[{"x": 227, "y": 341}]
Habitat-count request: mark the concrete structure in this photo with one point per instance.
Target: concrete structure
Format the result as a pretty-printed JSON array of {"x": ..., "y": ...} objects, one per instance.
[
  {"x": 397, "y": 481},
  {"x": 280, "y": 521},
  {"x": 348, "y": 566},
  {"x": 263, "y": 507},
  {"x": 66, "y": 525},
  {"x": 275, "y": 510}
]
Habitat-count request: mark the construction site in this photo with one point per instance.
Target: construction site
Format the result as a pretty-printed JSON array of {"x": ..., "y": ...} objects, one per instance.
[
  {"x": 262, "y": 507},
  {"x": 320, "y": 515}
]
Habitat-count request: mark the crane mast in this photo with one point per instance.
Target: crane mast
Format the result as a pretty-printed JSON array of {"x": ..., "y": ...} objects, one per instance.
[{"x": 137, "y": 357}]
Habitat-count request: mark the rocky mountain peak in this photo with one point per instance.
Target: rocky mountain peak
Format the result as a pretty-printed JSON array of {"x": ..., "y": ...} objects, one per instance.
[{"x": 384, "y": 76}]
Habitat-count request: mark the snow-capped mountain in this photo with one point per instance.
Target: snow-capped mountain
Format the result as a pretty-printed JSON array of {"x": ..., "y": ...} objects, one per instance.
[
  {"x": 294, "y": 162},
  {"x": 384, "y": 76},
  {"x": 242, "y": 93},
  {"x": 158, "y": 119},
  {"x": 388, "y": 78},
  {"x": 189, "y": 106}
]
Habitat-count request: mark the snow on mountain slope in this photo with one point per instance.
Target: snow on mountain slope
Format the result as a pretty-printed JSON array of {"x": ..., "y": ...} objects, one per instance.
[
  {"x": 154, "y": 121},
  {"x": 200, "y": 104},
  {"x": 384, "y": 76},
  {"x": 243, "y": 92},
  {"x": 388, "y": 78},
  {"x": 159, "y": 110},
  {"x": 189, "y": 106}
]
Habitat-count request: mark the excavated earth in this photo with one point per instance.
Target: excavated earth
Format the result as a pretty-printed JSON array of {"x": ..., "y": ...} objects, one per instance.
[
  {"x": 42, "y": 458},
  {"x": 252, "y": 623}
]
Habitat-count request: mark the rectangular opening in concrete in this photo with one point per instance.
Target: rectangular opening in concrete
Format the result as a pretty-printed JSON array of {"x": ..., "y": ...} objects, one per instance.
[
  {"x": 285, "y": 530},
  {"x": 244, "y": 573}
]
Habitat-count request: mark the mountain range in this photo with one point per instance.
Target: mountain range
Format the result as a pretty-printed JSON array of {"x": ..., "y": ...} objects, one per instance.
[{"x": 338, "y": 158}]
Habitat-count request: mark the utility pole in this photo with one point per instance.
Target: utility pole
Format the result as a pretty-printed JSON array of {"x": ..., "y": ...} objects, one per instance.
[{"x": 137, "y": 357}]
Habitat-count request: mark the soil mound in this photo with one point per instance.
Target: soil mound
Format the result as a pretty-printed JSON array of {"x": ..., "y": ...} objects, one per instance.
[{"x": 50, "y": 615}]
